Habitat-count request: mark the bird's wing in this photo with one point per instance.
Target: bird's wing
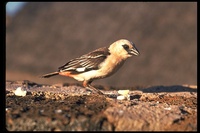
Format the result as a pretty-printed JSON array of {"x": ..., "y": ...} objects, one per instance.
[{"x": 86, "y": 62}]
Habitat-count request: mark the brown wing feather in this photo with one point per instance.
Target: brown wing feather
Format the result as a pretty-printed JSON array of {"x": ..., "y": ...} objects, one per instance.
[{"x": 87, "y": 62}]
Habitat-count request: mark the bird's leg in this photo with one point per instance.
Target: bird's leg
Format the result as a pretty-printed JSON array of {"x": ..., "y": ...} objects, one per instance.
[
  {"x": 98, "y": 91},
  {"x": 88, "y": 84}
]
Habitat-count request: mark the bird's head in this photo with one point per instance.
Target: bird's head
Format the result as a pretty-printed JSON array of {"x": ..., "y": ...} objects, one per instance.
[{"x": 124, "y": 48}]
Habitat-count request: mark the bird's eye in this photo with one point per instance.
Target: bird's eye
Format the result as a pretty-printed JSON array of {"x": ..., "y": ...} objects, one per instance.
[{"x": 125, "y": 46}]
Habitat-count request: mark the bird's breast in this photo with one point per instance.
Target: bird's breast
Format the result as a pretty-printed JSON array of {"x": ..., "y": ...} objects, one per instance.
[{"x": 110, "y": 66}]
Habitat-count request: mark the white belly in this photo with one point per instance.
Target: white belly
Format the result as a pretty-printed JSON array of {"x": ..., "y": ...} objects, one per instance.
[{"x": 106, "y": 69}]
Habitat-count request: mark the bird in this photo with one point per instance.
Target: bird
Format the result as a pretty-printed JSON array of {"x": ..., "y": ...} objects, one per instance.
[{"x": 97, "y": 64}]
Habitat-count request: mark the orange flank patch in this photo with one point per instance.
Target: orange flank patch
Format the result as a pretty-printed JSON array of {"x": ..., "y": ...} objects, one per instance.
[
  {"x": 78, "y": 77},
  {"x": 68, "y": 74}
]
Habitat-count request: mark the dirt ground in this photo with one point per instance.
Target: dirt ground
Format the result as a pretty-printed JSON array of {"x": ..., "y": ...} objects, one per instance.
[{"x": 70, "y": 107}]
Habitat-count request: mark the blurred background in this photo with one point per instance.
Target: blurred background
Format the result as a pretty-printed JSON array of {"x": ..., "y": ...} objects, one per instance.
[{"x": 42, "y": 36}]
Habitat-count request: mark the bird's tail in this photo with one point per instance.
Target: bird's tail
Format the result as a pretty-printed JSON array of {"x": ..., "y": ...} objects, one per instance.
[{"x": 49, "y": 75}]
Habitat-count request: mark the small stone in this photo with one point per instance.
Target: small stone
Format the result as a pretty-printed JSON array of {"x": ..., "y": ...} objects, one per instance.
[
  {"x": 120, "y": 97},
  {"x": 20, "y": 92}
]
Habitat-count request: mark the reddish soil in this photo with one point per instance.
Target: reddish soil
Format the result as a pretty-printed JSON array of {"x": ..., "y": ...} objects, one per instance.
[{"x": 72, "y": 108}]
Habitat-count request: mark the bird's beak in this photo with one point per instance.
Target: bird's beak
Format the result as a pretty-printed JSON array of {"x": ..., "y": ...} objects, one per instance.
[{"x": 134, "y": 51}]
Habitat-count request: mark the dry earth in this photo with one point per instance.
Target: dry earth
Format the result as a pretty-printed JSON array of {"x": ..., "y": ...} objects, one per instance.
[{"x": 70, "y": 107}]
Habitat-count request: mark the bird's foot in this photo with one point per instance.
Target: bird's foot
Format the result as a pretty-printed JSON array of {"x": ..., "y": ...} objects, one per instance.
[{"x": 91, "y": 88}]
